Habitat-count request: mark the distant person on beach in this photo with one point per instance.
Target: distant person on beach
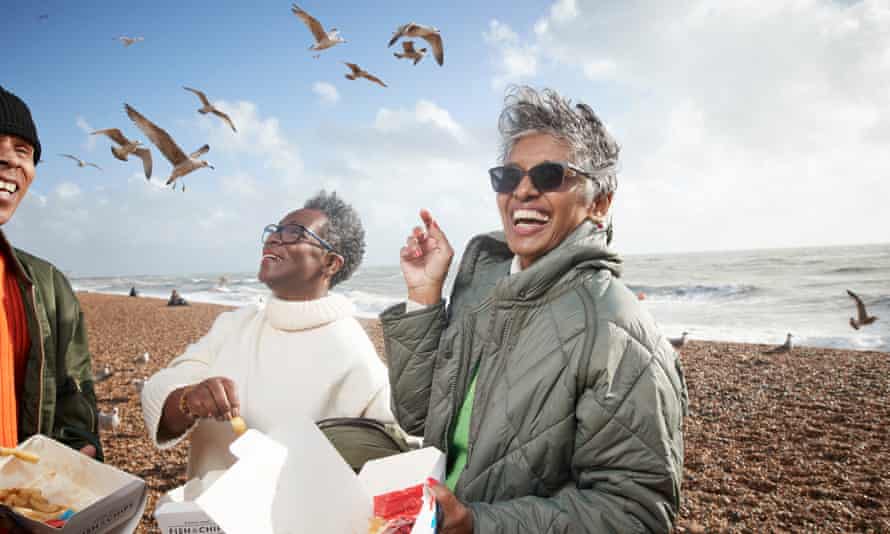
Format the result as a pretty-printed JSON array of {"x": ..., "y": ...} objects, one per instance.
[
  {"x": 133, "y": 292},
  {"x": 558, "y": 402},
  {"x": 46, "y": 370},
  {"x": 301, "y": 353},
  {"x": 176, "y": 299}
]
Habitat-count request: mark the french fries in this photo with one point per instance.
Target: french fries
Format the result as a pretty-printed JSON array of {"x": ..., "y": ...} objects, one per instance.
[
  {"x": 21, "y": 455},
  {"x": 238, "y": 425},
  {"x": 30, "y": 503}
]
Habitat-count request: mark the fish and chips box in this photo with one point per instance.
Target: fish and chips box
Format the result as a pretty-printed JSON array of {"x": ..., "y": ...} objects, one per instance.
[
  {"x": 293, "y": 481},
  {"x": 105, "y": 499}
]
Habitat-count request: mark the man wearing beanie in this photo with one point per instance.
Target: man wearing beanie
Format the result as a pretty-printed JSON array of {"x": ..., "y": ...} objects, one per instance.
[{"x": 46, "y": 378}]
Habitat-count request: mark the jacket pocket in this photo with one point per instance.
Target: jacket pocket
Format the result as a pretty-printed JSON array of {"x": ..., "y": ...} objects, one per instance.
[{"x": 76, "y": 422}]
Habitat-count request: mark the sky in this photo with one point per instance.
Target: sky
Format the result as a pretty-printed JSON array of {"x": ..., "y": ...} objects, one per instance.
[{"x": 743, "y": 125}]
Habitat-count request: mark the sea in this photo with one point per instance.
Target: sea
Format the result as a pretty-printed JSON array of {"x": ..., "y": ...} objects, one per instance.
[{"x": 754, "y": 296}]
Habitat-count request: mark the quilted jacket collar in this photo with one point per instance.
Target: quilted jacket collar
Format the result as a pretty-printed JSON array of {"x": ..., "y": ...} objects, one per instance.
[{"x": 584, "y": 248}]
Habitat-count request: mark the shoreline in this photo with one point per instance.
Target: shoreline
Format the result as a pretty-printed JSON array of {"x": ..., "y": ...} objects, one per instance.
[{"x": 794, "y": 441}]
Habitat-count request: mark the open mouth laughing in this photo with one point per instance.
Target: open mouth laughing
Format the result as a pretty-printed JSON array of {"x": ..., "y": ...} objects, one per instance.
[{"x": 528, "y": 221}]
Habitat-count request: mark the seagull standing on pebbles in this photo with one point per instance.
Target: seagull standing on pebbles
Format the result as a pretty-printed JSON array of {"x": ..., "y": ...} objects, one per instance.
[
  {"x": 182, "y": 163},
  {"x": 104, "y": 374},
  {"x": 139, "y": 383},
  {"x": 126, "y": 148},
  {"x": 785, "y": 347},
  {"x": 408, "y": 52},
  {"x": 427, "y": 33},
  {"x": 80, "y": 162},
  {"x": 323, "y": 39},
  {"x": 357, "y": 72},
  {"x": 110, "y": 421},
  {"x": 862, "y": 318},
  {"x": 678, "y": 342},
  {"x": 129, "y": 40},
  {"x": 207, "y": 107}
]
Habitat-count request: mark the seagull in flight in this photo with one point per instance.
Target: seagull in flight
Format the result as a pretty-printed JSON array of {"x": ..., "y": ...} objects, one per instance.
[
  {"x": 357, "y": 72},
  {"x": 427, "y": 33},
  {"x": 80, "y": 162},
  {"x": 127, "y": 147},
  {"x": 785, "y": 347},
  {"x": 408, "y": 52},
  {"x": 127, "y": 41},
  {"x": 323, "y": 39},
  {"x": 207, "y": 107},
  {"x": 182, "y": 164},
  {"x": 863, "y": 318}
]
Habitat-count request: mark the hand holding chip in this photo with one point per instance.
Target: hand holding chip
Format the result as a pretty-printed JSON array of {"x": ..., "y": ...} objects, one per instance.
[{"x": 215, "y": 397}]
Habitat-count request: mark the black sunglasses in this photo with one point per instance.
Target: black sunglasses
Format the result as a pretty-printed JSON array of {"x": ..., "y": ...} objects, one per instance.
[{"x": 547, "y": 176}]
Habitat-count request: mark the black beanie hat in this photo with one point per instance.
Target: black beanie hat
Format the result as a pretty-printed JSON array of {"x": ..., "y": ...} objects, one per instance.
[{"x": 15, "y": 119}]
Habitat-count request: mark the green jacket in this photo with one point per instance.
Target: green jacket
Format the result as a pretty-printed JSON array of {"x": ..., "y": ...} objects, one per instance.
[
  {"x": 59, "y": 400},
  {"x": 577, "y": 419}
]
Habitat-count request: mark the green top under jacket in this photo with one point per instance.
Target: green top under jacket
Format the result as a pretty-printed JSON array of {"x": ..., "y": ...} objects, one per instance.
[
  {"x": 58, "y": 400},
  {"x": 576, "y": 420}
]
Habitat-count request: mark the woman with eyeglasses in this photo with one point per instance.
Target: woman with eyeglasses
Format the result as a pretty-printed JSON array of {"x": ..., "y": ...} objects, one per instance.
[
  {"x": 301, "y": 353},
  {"x": 556, "y": 399}
]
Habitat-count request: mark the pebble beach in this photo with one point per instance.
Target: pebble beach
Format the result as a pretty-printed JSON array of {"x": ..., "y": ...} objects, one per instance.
[{"x": 774, "y": 443}]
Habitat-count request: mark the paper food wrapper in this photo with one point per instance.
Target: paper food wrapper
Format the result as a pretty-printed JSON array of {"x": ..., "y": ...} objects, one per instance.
[
  {"x": 68, "y": 478},
  {"x": 293, "y": 481}
]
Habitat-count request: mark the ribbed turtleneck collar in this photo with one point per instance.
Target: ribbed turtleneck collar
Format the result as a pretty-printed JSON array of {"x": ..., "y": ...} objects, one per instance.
[{"x": 291, "y": 315}]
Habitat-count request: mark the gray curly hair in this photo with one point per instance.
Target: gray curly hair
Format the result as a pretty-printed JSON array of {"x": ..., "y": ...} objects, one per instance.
[
  {"x": 344, "y": 231},
  {"x": 593, "y": 149}
]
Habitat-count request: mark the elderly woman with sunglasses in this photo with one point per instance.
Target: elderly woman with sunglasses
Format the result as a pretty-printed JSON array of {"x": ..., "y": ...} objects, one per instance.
[
  {"x": 301, "y": 353},
  {"x": 558, "y": 402}
]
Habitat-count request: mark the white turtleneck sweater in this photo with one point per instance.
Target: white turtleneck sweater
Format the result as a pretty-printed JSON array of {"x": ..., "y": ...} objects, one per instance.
[{"x": 288, "y": 359}]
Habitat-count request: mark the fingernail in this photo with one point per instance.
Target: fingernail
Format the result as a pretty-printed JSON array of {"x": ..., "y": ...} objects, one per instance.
[{"x": 417, "y": 253}]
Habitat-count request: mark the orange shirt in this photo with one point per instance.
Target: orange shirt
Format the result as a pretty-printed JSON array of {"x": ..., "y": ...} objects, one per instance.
[{"x": 14, "y": 346}]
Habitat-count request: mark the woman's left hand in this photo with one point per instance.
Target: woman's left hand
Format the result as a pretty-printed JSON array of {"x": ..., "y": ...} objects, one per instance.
[{"x": 456, "y": 518}]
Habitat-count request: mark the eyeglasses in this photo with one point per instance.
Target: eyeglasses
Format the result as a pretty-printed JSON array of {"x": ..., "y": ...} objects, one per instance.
[
  {"x": 547, "y": 176},
  {"x": 293, "y": 233}
]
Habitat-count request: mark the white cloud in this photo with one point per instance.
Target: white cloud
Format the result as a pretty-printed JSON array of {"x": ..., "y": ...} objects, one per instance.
[
  {"x": 425, "y": 113},
  {"x": 67, "y": 190},
  {"x": 90, "y": 142},
  {"x": 514, "y": 61},
  {"x": 326, "y": 92},
  {"x": 258, "y": 138}
]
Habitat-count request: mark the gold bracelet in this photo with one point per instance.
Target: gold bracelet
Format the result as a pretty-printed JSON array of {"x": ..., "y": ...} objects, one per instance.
[{"x": 183, "y": 405}]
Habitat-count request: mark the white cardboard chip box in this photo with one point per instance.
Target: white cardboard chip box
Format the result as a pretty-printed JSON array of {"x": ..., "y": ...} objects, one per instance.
[
  {"x": 107, "y": 499},
  {"x": 293, "y": 481}
]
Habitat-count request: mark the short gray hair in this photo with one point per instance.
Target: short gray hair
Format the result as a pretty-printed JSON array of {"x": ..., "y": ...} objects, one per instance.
[
  {"x": 593, "y": 149},
  {"x": 344, "y": 231}
]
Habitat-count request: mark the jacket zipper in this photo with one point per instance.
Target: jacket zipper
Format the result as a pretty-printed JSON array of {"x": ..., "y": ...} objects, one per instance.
[
  {"x": 455, "y": 403},
  {"x": 42, "y": 361},
  {"x": 93, "y": 419}
]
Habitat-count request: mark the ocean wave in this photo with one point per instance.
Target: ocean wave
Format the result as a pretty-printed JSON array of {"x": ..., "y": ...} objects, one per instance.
[
  {"x": 696, "y": 292},
  {"x": 852, "y": 270}
]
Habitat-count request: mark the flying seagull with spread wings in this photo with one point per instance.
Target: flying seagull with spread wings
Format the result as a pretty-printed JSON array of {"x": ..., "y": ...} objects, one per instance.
[
  {"x": 323, "y": 39},
  {"x": 207, "y": 107},
  {"x": 182, "y": 164},
  {"x": 80, "y": 162},
  {"x": 427, "y": 33},
  {"x": 357, "y": 72},
  {"x": 785, "y": 347},
  {"x": 409, "y": 52},
  {"x": 127, "y": 41},
  {"x": 862, "y": 316},
  {"x": 127, "y": 147}
]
